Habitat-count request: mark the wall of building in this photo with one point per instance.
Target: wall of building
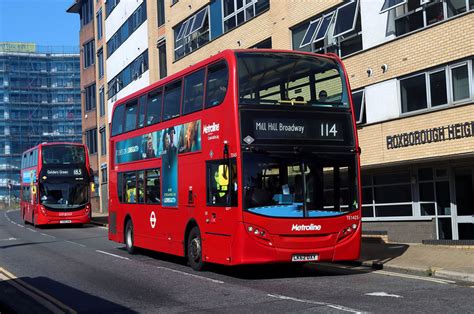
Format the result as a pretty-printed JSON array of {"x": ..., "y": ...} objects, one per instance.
[{"x": 404, "y": 232}]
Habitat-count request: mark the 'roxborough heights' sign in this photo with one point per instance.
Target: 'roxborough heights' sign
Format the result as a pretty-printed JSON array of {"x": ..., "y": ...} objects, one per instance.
[{"x": 433, "y": 135}]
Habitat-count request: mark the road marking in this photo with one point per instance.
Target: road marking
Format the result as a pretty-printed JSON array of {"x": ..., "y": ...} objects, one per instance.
[
  {"x": 52, "y": 304},
  {"x": 104, "y": 227},
  {"x": 76, "y": 243},
  {"x": 47, "y": 235},
  {"x": 9, "y": 239},
  {"x": 334, "y": 306},
  {"x": 31, "y": 230},
  {"x": 118, "y": 256},
  {"x": 436, "y": 280},
  {"x": 191, "y": 275},
  {"x": 383, "y": 294}
]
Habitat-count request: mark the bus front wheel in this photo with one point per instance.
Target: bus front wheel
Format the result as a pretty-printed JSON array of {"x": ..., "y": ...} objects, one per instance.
[
  {"x": 195, "y": 249},
  {"x": 129, "y": 241}
]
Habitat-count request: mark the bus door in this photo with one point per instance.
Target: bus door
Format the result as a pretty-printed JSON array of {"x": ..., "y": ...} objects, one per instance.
[{"x": 221, "y": 212}]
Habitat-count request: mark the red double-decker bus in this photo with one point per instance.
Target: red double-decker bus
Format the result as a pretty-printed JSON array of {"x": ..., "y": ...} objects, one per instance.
[
  {"x": 250, "y": 156},
  {"x": 56, "y": 183}
]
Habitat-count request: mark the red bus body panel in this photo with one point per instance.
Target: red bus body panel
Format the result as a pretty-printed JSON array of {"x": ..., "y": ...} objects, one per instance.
[
  {"x": 225, "y": 239},
  {"x": 33, "y": 210}
]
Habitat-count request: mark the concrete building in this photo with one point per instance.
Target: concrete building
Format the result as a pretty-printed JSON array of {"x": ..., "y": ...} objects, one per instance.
[
  {"x": 39, "y": 102},
  {"x": 410, "y": 65}
]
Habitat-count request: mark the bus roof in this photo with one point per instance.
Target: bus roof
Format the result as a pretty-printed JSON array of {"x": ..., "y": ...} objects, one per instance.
[
  {"x": 225, "y": 54},
  {"x": 52, "y": 144}
]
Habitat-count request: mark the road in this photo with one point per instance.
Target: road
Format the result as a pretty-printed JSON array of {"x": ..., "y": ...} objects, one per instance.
[{"x": 76, "y": 269}]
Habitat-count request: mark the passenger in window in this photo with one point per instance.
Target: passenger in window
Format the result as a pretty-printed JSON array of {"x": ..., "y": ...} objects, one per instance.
[
  {"x": 130, "y": 195},
  {"x": 141, "y": 190},
  {"x": 323, "y": 95},
  {"x": 153, "y": 192},
  {"x": 218, "y": 95},
  {"x": 299, "y": 99}
]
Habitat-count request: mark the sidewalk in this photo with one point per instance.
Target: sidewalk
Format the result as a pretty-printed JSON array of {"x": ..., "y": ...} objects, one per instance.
[
  {"x": 100, "y": 219},
  {"x": 447, "y": 262}
]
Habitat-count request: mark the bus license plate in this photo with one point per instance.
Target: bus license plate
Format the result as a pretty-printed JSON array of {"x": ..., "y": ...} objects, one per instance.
[
  {"x": 304, "y": 257},
  {"x": 65, "y": 221}
]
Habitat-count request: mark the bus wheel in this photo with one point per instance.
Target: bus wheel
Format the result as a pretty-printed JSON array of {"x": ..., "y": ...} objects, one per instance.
[
  {"x": 129, "y": 244},
  {"x": 195, "y": 250}
]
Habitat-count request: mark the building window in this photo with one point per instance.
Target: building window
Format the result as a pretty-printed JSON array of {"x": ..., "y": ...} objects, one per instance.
[
  {"x": 100, "y": 61},
  {"x": 90, "y": 102},
  {"x": 103, "y": 142},
  {"x": 191, "y": 34},
  {"x": 265, "y": 44},
  {"x": 338, "y": 31},
  {"x": 103, "y": 172},
  {"x": 448, "y": 85},
  {"x": 132, "y": 72},
  {"x": 387, "y": 195},
  {"x": 411, "y": 15},
  {"x": 110, "y": 5},
  {"x": 358, "y": 100},
  {"x": 101, "y": 101},
  {"x": 91, "y": 140},
  {"x": 161, "y": 12},
  {"x": 237, "y": 12},
  {"x": 126, "y": 30},
  {"x": 86, "y": 12},
  {"x": 162, "y": 59},
  {"x": 99, "y": 24},
  {"x": 88, "y": 54}
]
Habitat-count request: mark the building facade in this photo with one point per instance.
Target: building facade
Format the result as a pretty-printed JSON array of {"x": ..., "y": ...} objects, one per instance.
[
  {"x": 39, "y": 102},
  {"x": 410, "y": 66}
]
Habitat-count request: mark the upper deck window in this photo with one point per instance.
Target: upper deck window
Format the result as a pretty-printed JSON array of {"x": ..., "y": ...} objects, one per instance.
[
  {"x": 131, "y": 116},
  {"x": 193, "y": 91},
  {"x": 63, "y": 154},
  {"x": 117, "y": 120},
  {"x": 172, "y": 100},
  {"x": 153, "y": 109},
  {"x": 292, "y": 79},
  {"x": 216, "y": 86}
]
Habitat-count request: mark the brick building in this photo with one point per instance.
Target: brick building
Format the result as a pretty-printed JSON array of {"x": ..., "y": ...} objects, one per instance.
[{"x": 410, "y": 65}]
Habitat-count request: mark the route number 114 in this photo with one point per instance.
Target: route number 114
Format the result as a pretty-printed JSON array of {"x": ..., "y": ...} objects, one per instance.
[{"x": 328, "y": 130}]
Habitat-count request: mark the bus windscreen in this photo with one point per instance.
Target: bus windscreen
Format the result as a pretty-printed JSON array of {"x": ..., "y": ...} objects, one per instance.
[
  {"x": 62, "y": 195},
  {"x": 290, "y": 79},
  {"x": 63, "y": 154},
  {"x": 289, "y": 186}
]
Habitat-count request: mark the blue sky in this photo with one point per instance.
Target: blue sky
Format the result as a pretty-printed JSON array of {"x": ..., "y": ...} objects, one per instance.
[{"x": 44, "y": 22}]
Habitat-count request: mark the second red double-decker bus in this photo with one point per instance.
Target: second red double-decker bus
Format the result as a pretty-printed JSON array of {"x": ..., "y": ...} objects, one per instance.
[
  {"x": 56, "y": 180},
  {"x": 250, "y": 156}
]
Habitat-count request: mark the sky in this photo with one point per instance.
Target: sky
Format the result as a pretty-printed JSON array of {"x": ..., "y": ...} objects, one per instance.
[{"x": 44, "y": 22}]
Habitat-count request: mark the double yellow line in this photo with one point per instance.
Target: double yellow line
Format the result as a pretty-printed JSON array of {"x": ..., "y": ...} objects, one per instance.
[{"x": 52, "y": 304}]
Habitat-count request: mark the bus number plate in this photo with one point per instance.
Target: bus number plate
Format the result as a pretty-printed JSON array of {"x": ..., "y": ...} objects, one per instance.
[
  {"x": 65, "y": 221},
  {"x": 304, "y": 257}
]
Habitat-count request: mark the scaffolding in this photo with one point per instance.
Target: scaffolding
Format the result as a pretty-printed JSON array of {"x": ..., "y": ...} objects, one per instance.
[{"x": 40, "y": 101}]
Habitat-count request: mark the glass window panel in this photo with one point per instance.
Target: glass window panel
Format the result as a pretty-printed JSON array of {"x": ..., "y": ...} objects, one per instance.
[
  {"x": 141, "y": 187},
  {"x": 172, "y": 100},
  {"x": 455, "y": 7},
  {"x": 345, "y": 18},
  {"x": 324, "y": 27},
  {"x": 141, "y": 114},
  {"x": 443, "y": 198},
  {"x": 392, "y": 194},
  {"x": 464, "y": 192},
  {"x": 466, "y": 231},
  {"x": 445, "y": 231},
  {"x": 427, "y": 209},
  {"x": 367, "y": 211},
  {"x": 427, "y": 192},
  {"x": 216, "y": 86},
  {"x": 434, "y": 13},
  {"x": 350, "y": 45},
  {"x": 198, "y": 20},
  {"x": 460, "y": 82},
  {"x": 390, "y": 4},
  {"x": 131, "y": 116},
  {"x": 228, "y": 7},
  {"x": 130, "y": 180},
  {"x": 438, "y": 91},
  {"x": 425, "y": 174},
  {"x": 409, "y": 23},
  {"x": 358, "y": 102},
  {"x": 117, "y": 120},
  {"x": 153, "y": 109},
  {"x": 153, "y": 190},
  {"x": 413, "y": 93},
  {"x": 308, "y": 36},
  {"x": 367, "y": 196},
  {"x": 393, "y": 211},
  {"x": 193, "y": 91}
]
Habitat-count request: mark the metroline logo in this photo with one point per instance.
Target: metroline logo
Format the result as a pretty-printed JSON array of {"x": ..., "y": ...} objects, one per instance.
[
  {"x": 209, "y": 128},
  {"x": 311, "y": 227}
]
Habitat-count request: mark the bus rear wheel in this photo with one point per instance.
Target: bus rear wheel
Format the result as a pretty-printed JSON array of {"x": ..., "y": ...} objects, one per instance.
[
  {"x": 194, "y": 247},
  {"x": 129, "y": 241}
]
